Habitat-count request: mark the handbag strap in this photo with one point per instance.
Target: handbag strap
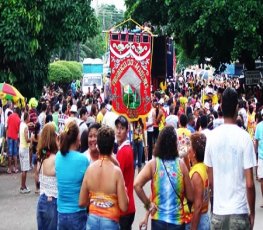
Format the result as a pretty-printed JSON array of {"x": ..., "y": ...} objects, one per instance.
[{"x": 171, "y": 182}]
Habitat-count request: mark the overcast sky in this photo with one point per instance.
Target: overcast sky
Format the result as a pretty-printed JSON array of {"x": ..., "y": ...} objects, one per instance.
[{"x": 118, "y": 3}]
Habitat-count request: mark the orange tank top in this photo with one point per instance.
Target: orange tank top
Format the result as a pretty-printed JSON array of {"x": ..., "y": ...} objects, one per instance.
[{"x": 104, "y": 205}]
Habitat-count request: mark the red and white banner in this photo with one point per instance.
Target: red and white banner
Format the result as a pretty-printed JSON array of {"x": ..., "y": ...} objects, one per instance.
[{"x": 130, "y": 63}]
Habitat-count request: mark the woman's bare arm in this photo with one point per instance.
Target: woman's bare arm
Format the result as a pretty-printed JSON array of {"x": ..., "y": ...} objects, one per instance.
[
  {"x": 123, "y": 199},
  {"x": 142, "y": 178},
  {"x": 187, "y": 182},
  {"x": 84, "y": 192},
  {"x": 198, "y": 187}
]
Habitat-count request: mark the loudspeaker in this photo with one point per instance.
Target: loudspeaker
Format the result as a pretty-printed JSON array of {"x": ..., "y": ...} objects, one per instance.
[{"x": 159, "y": 58}]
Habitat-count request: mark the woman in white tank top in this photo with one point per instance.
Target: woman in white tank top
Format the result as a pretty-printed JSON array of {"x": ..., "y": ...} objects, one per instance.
[{"x": 47, "y": 203}]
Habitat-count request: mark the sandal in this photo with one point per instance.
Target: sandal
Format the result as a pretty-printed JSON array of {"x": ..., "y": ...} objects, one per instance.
[
  {"x": 8, "y": 171},
  {"x": 15, "y": 170}
]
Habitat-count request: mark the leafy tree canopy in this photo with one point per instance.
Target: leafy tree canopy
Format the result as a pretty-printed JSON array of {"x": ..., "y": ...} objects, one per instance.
[
  {"x": 31, "y": 30},
  {"x": 92, "y": 47},
  {"x": 224, "y": 31}
]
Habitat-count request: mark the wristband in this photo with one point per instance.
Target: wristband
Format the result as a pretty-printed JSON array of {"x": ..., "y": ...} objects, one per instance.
[{"x": 147, "y": 205}]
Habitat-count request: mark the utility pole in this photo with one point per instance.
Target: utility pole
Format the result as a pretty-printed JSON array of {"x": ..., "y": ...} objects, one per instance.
[{"x": 103, "y": 19}]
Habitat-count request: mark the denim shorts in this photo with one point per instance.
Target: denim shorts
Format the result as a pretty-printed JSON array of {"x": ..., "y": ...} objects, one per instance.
[
  {"x": 233, "y": 222},
  {"x": 97, "y": 222},
  {"x": 34, "y": 159},
  {"x": 161, "y": 225},
  {"x": 47, "y": 213},
  {"x": 12, "y": 147},
  {"x": 204, "y": 223},
  {"x": 72, "y": 221}
]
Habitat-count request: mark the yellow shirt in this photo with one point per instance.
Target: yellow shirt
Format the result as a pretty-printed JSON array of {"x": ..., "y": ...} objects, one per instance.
[
  {"x": 183, "y": 131},
  {"x": 183, "y": 101},
  {"x": 23, "y": 143},
  {"x": 99, "y": 118},
  {"x": 183, "y": 140},
  {"x": 201, "y": 169}
]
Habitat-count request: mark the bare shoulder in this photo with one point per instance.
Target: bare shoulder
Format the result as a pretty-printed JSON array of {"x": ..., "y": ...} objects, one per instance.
[
  {"x": 183, "y": 167},
  {"x": 117, "y": 170}
]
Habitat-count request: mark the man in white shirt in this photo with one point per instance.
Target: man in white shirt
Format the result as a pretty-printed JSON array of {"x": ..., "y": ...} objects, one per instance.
[
  {"x": 230, "y": 158},
  {"x": 149, "y": 125},
  {"x": 7, "y": 110},
  {"x": 172, "y": 119},
  {"x": 83, "y": 114},
  {"x": 110, "y": 117},
  {"x": 42, "y": 116}
]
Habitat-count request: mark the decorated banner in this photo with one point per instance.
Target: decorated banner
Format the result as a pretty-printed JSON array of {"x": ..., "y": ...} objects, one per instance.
[{"x": 130, "y": 63}]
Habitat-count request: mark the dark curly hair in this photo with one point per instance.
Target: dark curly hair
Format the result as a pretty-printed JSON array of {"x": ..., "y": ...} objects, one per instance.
[
  {"x": 166, "y": 146},
  {"x": 105, "y": 140},
  {"x": 198, "y": 142}
]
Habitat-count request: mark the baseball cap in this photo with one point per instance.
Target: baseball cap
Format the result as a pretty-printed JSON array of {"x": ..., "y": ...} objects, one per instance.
[
  {"x": 73, "y": 109},
  {"x": 123, "y": 121}
]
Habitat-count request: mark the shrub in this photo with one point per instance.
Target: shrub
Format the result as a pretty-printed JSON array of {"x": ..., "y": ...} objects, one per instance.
[
  {"x": 74, "y": 67},
  {"x": 59, "y": 73},
  {"x": 64, "y": 71}
]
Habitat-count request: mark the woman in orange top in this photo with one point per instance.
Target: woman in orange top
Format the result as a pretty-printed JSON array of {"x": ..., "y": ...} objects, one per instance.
[{"x": 103, "y": 189}]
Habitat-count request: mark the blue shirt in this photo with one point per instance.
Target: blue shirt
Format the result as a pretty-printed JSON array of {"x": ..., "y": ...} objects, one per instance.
[
  {"x": 259, "y": 138},
  {"x": 70, "y": 170},
  {"x": 191, "y": 128}
]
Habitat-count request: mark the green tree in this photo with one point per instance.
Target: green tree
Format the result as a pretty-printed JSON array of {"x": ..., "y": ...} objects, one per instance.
[
  {"x": 31, "y": 30},
  {"x": 224, "y": 31}
]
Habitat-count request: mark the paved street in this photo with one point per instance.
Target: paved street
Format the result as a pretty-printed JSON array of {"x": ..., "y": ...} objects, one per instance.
[{"x": 18, "y": 211}]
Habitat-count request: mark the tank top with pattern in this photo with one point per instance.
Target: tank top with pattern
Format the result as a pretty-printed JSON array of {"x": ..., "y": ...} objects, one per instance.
[{"x": 163, "y": 195}]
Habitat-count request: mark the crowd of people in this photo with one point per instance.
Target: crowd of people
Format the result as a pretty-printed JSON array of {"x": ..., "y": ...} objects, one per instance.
[{"x": 198, "y": 147}]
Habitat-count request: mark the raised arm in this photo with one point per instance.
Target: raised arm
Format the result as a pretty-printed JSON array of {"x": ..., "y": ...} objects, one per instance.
[{"x": 187, "y": 182}]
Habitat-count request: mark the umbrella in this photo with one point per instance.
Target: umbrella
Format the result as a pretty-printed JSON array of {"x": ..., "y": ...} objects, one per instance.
[
  {"x": 9, "y": 92},
  {"x": 7, "y": 89}
]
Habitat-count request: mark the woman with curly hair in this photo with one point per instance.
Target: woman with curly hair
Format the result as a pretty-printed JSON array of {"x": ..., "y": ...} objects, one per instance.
[
  {"x": 170, "y": 184},
  {"x": 103, "y": 187},
  {"x": 198, "y": 173},
  {"x": 47, "y": 203}
]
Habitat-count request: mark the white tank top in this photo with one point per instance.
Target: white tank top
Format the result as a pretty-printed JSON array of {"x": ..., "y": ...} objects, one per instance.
[
  {"x": 150, "y": 120},
  {"x": 48, "y": 185}
]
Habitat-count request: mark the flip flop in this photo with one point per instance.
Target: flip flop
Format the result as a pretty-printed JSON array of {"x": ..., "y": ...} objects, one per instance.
[
  {"x": 8, "y": 171},
  {"x": 15, "y": 171}
]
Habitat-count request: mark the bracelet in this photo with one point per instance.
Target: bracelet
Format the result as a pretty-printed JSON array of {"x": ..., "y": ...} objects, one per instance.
[{"x": 147, "y": 205}]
